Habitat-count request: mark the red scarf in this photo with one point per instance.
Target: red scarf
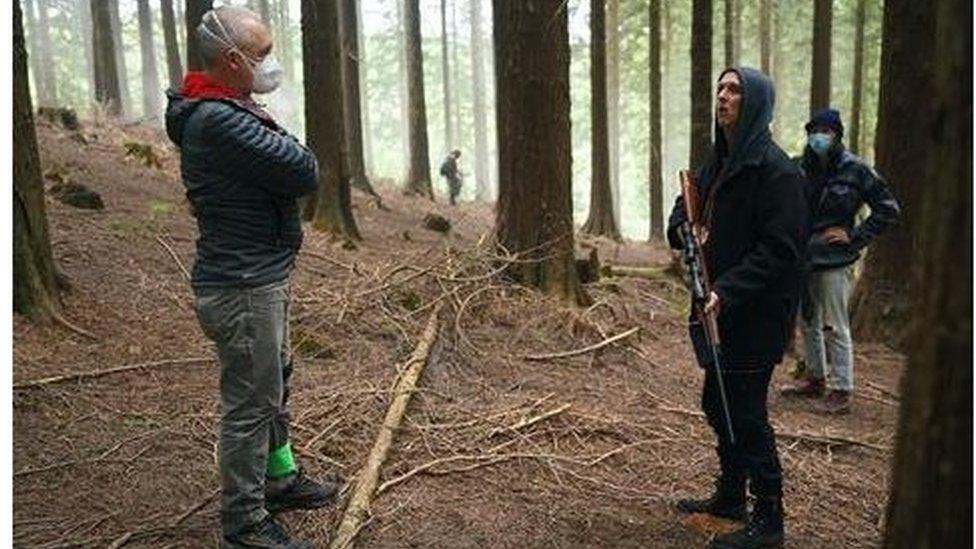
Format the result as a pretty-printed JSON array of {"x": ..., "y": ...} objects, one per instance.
[{"x": 199, "y": 85}]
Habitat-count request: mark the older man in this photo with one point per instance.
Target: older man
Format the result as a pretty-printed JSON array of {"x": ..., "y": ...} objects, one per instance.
[
  {"x": 755, "y": 216},
  {"x": 243, "y": 175}
]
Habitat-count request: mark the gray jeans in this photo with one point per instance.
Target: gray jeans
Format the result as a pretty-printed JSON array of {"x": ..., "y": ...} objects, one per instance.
[
  {"x": 827, "y": 335},
  {"x": 250, "y": 329}
]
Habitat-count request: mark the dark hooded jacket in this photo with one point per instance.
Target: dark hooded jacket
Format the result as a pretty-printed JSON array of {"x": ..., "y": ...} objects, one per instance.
[
  {"x": 757, "y": 232},
  {"x": 836, "y": 190},
  {"x": 243, "y": 175}
]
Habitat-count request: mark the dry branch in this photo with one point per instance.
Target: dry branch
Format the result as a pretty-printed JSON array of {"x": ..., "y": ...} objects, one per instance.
[
  {"x": 100, "y": 373},
  {"x": 367, "y": 479},
  {"x": 176, "y": 258},
  {"x": 591, "y": 348},
  {"x": 530, "y": 421}
]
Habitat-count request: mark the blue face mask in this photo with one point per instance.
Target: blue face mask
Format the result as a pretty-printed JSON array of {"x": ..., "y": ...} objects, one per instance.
[{"x": 820, "y": 142}]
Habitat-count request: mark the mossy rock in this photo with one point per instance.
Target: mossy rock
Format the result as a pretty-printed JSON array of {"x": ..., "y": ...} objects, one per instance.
[
  {"x": 64, "y": 116},
  {"x": 143, "y": 152},
  {"x": 437, "y": 223}
]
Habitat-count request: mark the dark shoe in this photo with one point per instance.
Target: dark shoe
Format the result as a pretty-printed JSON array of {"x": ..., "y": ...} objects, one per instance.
[
  {"x": 836, "y": 402},
  {"x": 806, "y": 388},
  {"x": 728, "y": 501},
  {"x": 299, "y": 492},
  {"x": 267, "y": 534},
  {"x": 765, "y": 528}
]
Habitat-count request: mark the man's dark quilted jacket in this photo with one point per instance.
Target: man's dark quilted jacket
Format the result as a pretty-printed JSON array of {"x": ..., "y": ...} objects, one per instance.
[{"x": 243, "y": 177}]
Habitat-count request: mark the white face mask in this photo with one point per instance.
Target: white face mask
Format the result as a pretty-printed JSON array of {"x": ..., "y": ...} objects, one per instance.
[{"x": 266, "y": 74}]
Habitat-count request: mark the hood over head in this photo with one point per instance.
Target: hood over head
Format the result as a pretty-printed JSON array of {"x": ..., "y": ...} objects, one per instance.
[{"x": 751, "y": 135}]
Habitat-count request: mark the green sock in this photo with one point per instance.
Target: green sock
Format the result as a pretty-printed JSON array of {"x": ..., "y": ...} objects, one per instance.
[{"x": 281, "y": 462}]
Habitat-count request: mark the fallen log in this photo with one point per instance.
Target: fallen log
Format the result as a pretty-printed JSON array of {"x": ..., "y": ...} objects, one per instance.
[
  {"x": 368, "y": 477},
  {"x": 651, "y": 273}
]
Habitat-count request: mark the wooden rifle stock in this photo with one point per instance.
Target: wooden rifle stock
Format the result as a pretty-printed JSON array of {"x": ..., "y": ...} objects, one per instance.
[{"x": 693, "y": 212}]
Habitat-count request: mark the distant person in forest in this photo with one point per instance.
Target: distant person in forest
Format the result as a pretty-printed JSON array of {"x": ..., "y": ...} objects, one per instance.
[
  {"x": 451, "y": 172},
  {"x": 838, "y": 184},
  {"x": 243, "y": 176},
  {"x": 755, "y": 222}
]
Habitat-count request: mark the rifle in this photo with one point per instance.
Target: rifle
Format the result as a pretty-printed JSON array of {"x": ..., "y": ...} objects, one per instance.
[{"x": 693, "y": 233}]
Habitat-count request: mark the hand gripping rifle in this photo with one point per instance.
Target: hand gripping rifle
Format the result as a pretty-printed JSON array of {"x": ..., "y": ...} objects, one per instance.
[{"x": 693, "y": 232}]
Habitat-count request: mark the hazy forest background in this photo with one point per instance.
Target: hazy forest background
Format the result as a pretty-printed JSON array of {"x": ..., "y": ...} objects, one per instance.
[{"x": 60, "y": 49}]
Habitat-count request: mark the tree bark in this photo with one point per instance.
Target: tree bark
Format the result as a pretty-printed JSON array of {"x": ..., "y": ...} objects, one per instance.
[
  {"x": 120, "y": 57},
  {"x": 283, "y": 43},
  {"x": 264, "y": 10},
  {"x": 931, "y": 503},
  {"x": 655, "y": 180},
  {"x": 765, "y": 50},
  {"x": 107, "y": 90},
  {"x": 820, "y": 79},
  {"x": 446, "y": 78},
  {"x": 351, "y": 100},
  {"x": 858, "y": 79},
  {"x": 454, "y": 73},
  {"x": 151, "y": 102},
  {"x": 418, "y": 175},
  {"x": 194, "y": 13},
  {"x": 884, "y": 299},
  {"x": 482, "y": 190},
  {"x": 613, "y": 100},
  {"x": 47, "y": 65},
  {"x": 174, "y": 66},
  {"x": 600, "y": 220},
  {"x": 35, "y": 279},
  {"x": 701, "y": 82},
  {"x": 323, "y": 116},
  {"x": 534, "y": 214}
]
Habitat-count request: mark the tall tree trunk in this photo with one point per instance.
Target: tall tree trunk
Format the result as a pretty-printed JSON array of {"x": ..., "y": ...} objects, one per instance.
[
  {"x": 264, "y": 10},
  {"x": 46, "y": 55},
  {"x": 729, "y": 17},
  {"x": 613, "y": 100},
  {"x": 351, "y": 101},
  {"x": 655, "y": 180},
  {"x": 534, "y": 214},
  {"x": 446, "y": 78},
  {"x": 482, "y": 191},
  {"x": 84, "y": 17},
  {"x": 35, "y": 53},
  {"x": 120, "y": 57},
  {"x": 35, "y": 279},
  {"x": 174, "y": 66},
  {"x": 765, "y": 50},
  {"x": 284, "y": 43},
  {"x": 454, "y": 73},
  {"x": 820, "y": 79},
  {"x": 367, "y": 127},
  {"x": 600, "y": 220},
  {"x": 150, "y": 78},
  {"x": 418, "y": 175},
  {"x": 858, "y": 79},
  {"x": 884, "y": 299},
  {"x": 701, "y": 82},
  {"x": 778, "y": 61},
  {"x": 107, "y": 91},
  {"x": 321, "y": 53},
  {"x": 194, "y": 13},
  {"x": 737, "y": 32},
  {"x": 931, "y": 503},
  {"x": 404, "y": 100}
]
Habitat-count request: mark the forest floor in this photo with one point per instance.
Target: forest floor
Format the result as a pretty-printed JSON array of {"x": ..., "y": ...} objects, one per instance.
[{"x": 129, "y": 458}]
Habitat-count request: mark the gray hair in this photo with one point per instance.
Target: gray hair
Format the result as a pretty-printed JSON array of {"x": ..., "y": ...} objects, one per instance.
[{"x": 221, "y": 29}]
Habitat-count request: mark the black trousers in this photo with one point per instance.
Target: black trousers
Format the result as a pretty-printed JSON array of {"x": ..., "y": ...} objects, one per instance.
[{"x": 754, "y": 455}]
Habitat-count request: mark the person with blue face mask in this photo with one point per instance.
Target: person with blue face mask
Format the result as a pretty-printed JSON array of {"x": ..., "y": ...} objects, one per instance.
[
  {"x": 838, "y": 184},
  {"x": 243, "y": 175}
]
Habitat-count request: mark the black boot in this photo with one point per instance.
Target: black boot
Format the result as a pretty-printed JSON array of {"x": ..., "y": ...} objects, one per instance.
[
  {"x": 728, "y": 501},
  {"x": 267, "y": 534},
  {"x": 300, "y": 492},
  {"x": 765, "y": 528}
]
